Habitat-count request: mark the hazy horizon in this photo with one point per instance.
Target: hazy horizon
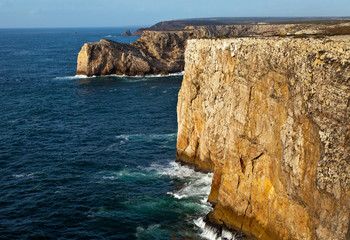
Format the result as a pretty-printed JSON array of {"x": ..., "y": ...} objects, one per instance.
[
  {"x": 136, "y": 13},
  {"x": 135, "y": 27}
]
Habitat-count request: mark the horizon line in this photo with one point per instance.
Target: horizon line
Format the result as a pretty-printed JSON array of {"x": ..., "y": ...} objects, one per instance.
[{"x": 181, "y": 19}]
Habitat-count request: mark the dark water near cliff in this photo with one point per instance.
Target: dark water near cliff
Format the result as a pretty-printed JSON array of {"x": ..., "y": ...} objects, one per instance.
[{"x": 89, "y": 158}]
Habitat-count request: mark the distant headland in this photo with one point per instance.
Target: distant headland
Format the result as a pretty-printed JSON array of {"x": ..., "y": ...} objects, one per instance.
[{"x": 215, "y": 21}]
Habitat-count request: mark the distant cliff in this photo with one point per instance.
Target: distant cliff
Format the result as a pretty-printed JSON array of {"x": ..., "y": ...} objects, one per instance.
[
  {"x": 181, "y": 24},
  {"x": 271, "y": 118}
]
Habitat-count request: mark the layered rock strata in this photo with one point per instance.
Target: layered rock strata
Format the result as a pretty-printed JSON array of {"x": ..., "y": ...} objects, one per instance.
[
  {"x": 152, "y": 53},
  {"x": 270, "y": 117},
  {"x": 162, "y": 52}
]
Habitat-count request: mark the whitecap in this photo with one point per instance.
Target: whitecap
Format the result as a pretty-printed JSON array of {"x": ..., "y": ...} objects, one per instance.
[
  {"x": 124, "y": 173},
  {"x": 212, "y": 233},
  {"x": 147, "y": 137},
  {"x": 29, "y": 175},
  {"x": 74, "y": 77},
  {"x": 153, "y": 231},
  {"x": 176, "y": 170}
]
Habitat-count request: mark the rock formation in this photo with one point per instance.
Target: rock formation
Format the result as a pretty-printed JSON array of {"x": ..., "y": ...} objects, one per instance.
[
  {"x": 162, "y": 52},
  {"x": 270, "y": 117},
  {"x": 152, "y": 53},
  {"x": 127, "y": 33}
]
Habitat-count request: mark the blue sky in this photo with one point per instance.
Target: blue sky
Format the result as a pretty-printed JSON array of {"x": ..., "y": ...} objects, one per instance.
[{"x": 106, "y": 13}]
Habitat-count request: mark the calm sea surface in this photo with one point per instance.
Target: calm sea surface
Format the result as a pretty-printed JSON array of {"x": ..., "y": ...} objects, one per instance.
[{"x": 89, "y": 158}]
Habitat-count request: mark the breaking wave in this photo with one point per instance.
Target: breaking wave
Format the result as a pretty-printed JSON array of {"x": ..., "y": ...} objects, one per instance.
[
  {"x": 121, "y": 76},
  {"x": 212, "y": 233}
]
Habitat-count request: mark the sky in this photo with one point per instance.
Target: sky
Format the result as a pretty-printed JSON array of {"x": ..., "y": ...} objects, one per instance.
[{"x": 116, "y": 13}]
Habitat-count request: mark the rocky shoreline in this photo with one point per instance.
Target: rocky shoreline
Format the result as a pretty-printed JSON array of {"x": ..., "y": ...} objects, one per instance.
[{"x": 269, "y": 116}]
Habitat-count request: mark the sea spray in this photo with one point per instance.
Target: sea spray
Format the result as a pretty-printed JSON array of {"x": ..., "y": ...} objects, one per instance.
[{"x": 211, "y": 232}]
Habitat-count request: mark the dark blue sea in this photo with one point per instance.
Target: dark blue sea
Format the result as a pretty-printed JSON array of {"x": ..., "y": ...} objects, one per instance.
[{"x": 89, "y": 158}]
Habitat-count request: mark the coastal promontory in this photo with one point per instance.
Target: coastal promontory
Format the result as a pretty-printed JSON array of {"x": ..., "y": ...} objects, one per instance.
[{"x": 162, "y": 52}]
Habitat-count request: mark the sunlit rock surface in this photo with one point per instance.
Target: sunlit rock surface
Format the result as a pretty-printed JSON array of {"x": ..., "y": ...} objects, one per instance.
[
  {"x": 270, "y": 117},
  {"x": 162, "y": 52}
]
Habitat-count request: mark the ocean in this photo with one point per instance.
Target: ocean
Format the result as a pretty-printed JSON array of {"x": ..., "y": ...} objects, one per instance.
[{"x": 90, "y": 158}]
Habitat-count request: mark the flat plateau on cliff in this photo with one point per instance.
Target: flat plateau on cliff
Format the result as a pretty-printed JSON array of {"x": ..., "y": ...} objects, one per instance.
[{"x": 183, "y": 23}]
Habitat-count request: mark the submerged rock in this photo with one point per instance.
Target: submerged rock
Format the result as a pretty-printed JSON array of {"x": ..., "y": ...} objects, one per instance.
[{"x": 270, "y": 118}]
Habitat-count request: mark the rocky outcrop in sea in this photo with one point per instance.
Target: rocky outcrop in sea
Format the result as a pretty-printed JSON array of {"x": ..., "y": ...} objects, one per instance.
[
  {"x": 127, "y": 33},
  {"x": 270, "y": 117}
]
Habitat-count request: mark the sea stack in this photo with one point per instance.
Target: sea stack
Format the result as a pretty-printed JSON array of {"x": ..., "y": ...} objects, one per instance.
[
  {"x": 270, "y": 117},
  {"x": 127, "y": 33}
]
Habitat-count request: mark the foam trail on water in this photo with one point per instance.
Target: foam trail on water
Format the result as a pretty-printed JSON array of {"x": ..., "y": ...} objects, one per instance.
[
  {"x": 74, "y": 77},
  {"x": 122, "y": 76}
]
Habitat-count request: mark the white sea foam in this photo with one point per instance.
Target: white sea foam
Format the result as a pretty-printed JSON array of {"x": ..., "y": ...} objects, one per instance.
[
  {"x": 74, "y": 77},
  {"x": 176, "y": 170},
  {"x": 28, "y": 175},
  {"x": 153, "y": 231},
  {"x": 150, "y": 75},
  {"x": 194, "y": 194},
  {"x": 212, "y": 233},
  {"x": 147, "y": 137},
  {"x": 124, "y": 173},
  {"x": 140, "y": 138},
  {"x": 125, "y": 77},
  {"x": 196, "y": 188}
]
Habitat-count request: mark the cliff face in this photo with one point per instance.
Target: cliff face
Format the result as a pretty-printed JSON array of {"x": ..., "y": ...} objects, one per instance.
[{"x": 270, "y": 117}]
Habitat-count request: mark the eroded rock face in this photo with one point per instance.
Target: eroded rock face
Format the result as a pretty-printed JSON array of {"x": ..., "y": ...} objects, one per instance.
[
  {"x": 270, "y": 117},
  {"x": 108, "y": 57},
  {"x": 152, "y": 53}
]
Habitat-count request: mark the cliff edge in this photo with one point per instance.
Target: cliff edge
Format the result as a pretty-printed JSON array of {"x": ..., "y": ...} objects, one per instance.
[{"x": 271, "y": 118}]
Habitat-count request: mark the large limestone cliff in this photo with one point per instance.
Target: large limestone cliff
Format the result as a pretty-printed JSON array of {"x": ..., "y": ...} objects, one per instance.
[{"x": 270, "y": 117}]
